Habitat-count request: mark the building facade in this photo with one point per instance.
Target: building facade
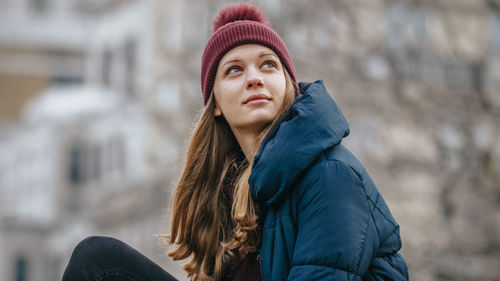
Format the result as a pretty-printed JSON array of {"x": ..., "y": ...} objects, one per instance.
[{"x": 97, "y": 98}]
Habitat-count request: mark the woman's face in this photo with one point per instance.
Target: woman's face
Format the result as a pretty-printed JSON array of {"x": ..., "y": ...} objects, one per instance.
[{"x": 249, "y": 87}]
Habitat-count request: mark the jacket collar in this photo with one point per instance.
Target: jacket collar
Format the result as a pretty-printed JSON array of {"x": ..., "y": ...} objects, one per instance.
[{"x": 313, "y": 124}]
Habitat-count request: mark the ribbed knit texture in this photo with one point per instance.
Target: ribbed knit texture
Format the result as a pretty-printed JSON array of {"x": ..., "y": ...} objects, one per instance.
[
  {"x": 247, "y": 269},
  {"x": 237, "y": 33}
]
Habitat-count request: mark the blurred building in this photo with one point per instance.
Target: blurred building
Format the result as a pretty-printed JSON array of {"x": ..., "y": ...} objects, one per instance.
[
  {"x": 41, "y": 43},
  {"x": 59, "y": 170},
  {"x": 80, "y": 151},
  {"x": 97, "y": 98}
]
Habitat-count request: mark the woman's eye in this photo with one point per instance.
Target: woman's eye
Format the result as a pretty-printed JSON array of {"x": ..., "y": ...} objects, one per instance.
[
  {"x": 233, "y": 69},
  {"x": 269, "y": 64}
]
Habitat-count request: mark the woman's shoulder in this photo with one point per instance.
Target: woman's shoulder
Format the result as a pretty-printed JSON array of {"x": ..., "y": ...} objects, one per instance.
[
  {"x": 335, "y": 170},
  {"x": 338, "y": 171},
  {"x": 335, "y": 162},
  {"x": 339, "y": 164},
  {"x": 339, "y": 178}
]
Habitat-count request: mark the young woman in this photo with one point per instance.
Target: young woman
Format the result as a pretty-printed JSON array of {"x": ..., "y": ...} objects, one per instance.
[{"x": 268, "y": 191}]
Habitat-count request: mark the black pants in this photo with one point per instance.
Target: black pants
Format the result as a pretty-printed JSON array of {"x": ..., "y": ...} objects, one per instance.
[{"x": 104, "y": 258}]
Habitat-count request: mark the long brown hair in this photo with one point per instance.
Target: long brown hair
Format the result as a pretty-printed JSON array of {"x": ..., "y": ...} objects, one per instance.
[{"x": 201, "y": 226}]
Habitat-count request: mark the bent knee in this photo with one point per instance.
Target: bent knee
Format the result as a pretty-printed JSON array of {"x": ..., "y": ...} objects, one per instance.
[{"x": 96, "y": 246}]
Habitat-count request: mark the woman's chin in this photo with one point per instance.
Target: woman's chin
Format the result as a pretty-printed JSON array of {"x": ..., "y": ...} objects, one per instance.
[
  {"x": 260, "y": 117},
  {"x": 257, "y": 125}
]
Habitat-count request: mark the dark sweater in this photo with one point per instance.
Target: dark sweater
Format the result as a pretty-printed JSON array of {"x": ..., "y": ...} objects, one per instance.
[{"x": 247, "y": 269}]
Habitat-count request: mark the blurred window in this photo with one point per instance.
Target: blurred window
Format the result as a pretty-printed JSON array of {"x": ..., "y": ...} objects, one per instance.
[
  {"x": 97, "y": 160},
  {"x": 496, "y": 27},
  {"x": 66, "y": 80},
  {"x": 76, "y": 169},
  {"x": 107, "y": 59},
  {"x": 39, "y": 6},
  {"x": 396, "y": 20},
  {"x": 119, "y": 154},
  {"x": 406, "y": 25},
  {"x": 21, "y": 269},
  {"x": 477, "y": 77},
  {"x": 420, "y": 25},
  {"x": 458, "y": 75},
  {"x": 130, "y": 65}
]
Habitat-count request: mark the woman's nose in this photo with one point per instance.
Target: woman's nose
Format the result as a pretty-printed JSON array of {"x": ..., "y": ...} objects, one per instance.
[{"x": 254, "y": 80}]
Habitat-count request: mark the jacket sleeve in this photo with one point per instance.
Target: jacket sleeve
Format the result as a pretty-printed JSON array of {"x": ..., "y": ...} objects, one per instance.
[{"x": 336, "y": 235}]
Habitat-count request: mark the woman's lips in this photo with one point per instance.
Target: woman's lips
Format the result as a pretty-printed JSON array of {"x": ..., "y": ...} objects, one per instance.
[{"x": 257, "y": 98}]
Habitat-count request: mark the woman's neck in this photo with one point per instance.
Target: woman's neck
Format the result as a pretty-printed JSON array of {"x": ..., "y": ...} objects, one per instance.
[{"x": 248, "y": 142}]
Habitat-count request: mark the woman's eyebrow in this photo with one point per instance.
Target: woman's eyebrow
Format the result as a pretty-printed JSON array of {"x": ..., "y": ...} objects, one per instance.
[
  {"x": 261, "y": 55},
  {"x": 231, "y": 61},
  {"x": 267, "y": 54}
]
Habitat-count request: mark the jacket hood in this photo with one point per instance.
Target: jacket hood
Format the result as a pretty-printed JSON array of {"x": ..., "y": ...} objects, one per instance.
[{"x": 313, "y": 124}]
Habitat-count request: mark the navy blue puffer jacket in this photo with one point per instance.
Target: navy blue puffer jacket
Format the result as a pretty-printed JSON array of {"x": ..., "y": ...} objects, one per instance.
[{"x": 324, "y": 218}]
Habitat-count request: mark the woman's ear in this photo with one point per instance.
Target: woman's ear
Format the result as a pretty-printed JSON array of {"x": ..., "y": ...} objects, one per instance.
[{"x": 217, "y": 111}]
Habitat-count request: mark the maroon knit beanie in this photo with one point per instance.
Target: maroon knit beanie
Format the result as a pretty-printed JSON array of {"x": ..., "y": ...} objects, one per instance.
[{"x": 235, "y": 25}]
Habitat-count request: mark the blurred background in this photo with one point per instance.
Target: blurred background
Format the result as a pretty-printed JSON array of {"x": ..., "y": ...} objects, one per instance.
[{"x": 98, "y": 98}]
